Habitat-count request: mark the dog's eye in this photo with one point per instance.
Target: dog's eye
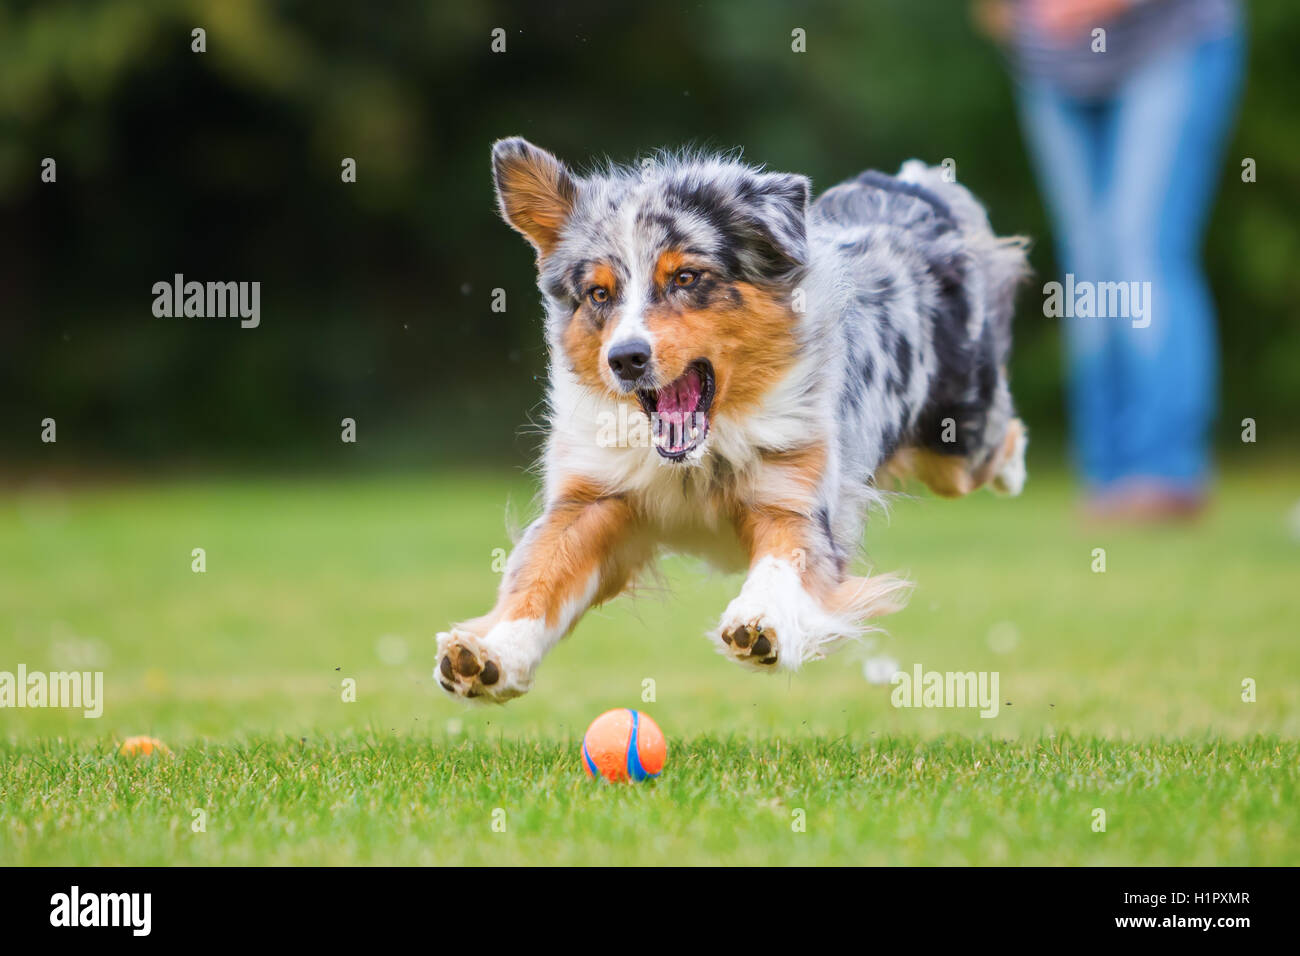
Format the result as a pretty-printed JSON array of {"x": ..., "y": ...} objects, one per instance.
[
  {"x": 685, "y": 277},
  {"x": 598, "y": 295}
]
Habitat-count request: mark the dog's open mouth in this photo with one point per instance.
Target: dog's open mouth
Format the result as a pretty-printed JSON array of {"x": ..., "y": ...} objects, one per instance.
[{"x": 679, "y": 412}]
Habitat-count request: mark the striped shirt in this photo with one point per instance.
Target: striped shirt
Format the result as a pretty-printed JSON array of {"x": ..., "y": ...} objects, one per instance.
[{"x": 1146, "y": 29}]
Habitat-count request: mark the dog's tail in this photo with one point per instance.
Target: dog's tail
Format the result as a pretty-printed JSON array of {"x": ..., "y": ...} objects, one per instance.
[{"x": 1001, "y": 263}]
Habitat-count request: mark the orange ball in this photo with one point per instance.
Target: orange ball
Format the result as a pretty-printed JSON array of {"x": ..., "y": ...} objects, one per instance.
[
  {"x": 623, "y": 745},
  {"x": 142, "y": 747}
]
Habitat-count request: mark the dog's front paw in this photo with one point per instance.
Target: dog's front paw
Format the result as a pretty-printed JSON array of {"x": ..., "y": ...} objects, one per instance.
[
  {"x": 469, "y": 669},
  {"x": 752, "y": 641},
  {"x": 775, "y": 621}
]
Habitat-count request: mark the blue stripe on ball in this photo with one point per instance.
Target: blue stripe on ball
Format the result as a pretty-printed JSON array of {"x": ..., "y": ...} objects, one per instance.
[{"x": 634, "y": 768}]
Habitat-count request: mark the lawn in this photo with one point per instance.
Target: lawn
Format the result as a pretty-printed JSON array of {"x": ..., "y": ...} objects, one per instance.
[{"x": 1120, "y": 691}]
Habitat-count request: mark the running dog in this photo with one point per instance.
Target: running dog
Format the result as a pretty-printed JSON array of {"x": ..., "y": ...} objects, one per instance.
[{"x": 735, "y": 372}]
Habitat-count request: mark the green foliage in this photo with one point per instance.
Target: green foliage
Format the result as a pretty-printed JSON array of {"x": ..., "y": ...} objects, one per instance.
[{"x": 225, "y": 165}]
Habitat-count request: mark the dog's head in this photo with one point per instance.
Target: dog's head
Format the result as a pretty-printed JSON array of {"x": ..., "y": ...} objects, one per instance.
[{"x": 669, "y": 284}]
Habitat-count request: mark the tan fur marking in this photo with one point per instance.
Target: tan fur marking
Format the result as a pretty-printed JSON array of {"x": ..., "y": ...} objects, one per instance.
[
  {"x": 784, "y": 530},
  {"x": 668, "y": 264},
  {"x": 1015, "y": 431},
  {"x": 588, "y": 330},
  {"x": 750, "y": 343},
  {"x": 603, "y": 276},
  {"x": 536, "y": 198},
  {"x": 583, "y": 342},
  {"x": 793, "y": 535},
  {"x": 800, "y": 466},
  {"x": 950, "y": 476},
  {"x": 586, "y": 533},
  {"x": 946, "y": 475}
]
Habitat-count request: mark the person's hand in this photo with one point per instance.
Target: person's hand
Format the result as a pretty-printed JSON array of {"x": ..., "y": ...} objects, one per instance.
[
  {"x": 1064, "y": 20},
  {"x": 993, "y": 18}
]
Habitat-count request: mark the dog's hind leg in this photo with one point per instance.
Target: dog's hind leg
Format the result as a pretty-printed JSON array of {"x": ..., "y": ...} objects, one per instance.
[
  {"x": 582, "y": 551},
  {"x": 953, "y": 475},
  {"x": 1008, "y": 463}
]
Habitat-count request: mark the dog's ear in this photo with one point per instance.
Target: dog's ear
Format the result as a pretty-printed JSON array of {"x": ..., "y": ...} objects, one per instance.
[
  {"x": 535, "y": 191},
  {"x": 775, "y": 212}
]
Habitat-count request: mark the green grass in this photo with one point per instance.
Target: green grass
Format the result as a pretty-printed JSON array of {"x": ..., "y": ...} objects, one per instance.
[
  {"x": 369, "y": 798},
  {"x": 1120, "y": 691}
]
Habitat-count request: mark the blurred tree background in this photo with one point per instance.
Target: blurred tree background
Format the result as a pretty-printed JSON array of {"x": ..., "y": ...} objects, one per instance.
[{"x": 376, "y": 296}]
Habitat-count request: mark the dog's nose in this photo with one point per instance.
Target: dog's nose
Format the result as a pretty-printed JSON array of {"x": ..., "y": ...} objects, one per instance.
[{"x": 629, "y": 360}]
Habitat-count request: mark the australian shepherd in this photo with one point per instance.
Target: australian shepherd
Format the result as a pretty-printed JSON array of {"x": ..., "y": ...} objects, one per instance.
[{"x": 735, "y": 372}]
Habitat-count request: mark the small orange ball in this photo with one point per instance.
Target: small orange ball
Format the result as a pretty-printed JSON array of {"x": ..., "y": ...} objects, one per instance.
[
  {"x": 623, "y": 745},
  {"x": 143, "y": 747}
]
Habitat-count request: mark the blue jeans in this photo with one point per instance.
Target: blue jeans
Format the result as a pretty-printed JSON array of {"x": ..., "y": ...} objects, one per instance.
[{"x": 1129, "y": 182}]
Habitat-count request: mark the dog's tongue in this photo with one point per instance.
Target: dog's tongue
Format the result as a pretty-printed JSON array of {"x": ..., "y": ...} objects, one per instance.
[
  {"x": 676, "y": 424},
  {"x": 678, "y": 400}
]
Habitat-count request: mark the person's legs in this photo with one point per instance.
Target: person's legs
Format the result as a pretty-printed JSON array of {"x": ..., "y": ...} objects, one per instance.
[
  {"x": 1170, "y": 128},
  {"x": 1069, "y": 143}
]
